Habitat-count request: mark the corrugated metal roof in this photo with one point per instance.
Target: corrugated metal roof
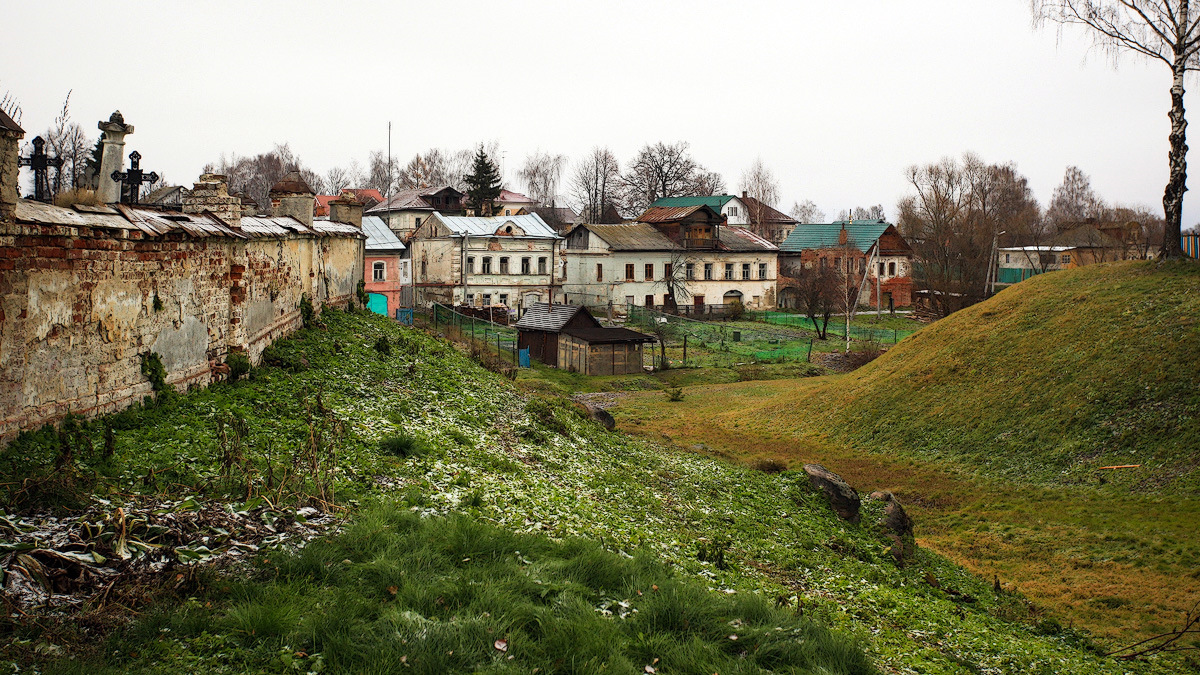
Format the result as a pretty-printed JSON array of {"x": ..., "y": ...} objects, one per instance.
[
  {"x": 150, "y": 221},
  {"x": 334, "y": 228},
  {"x": 548, "y": 317},
  {"x": 379, "y": 236},
  {"x": 715, "y": 202},
  {"x": 862, "y": 233},
  {"x": 411, "y": 199},
  {"x": 153, "y": 221},
  {"x": 608, "y": 335},
  {"x": 532, "y": 224},
  {"x": 764, "y": 213},
  {"x": 291, "y": 183},
  {"x": 741, "y": 239},
  {"x": 272, "y": 226},
  {"x": 665, "y": 214},
  {"x": 633, "y": 237}
]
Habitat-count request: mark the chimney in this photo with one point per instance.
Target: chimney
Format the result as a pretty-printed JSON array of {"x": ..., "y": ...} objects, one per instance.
[
  {"x": 211, "y": 193},
  {"x": 112, "y": 156},
  {"x": 291, "y": 196},
  {"x": 11, "y": 134},
  {"x": 744, "y": 195},
  {"x": 843, "y": 236},
  {"x": 346, "y": 209}
]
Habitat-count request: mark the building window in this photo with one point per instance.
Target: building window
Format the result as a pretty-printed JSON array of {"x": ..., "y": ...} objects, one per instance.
[
  {"x": 470, "y": 299},
  {"x": 629, "y": 300},
  {"x": 762, "y": 270},
  {"x": 891, "y": 269},
  {"x": 418, "y": 223},
  {"x": 504, "y": 299},
  {"x": 378, "y": 271},
  {"x": 756, "y": 300},
  {"x": 728, "y": 271},
  {"x": 667, "y": 271},
  {"x": 599, "y": 272},
  {"x": 629, "y": 272},
  {"x": 526, "y": 266},
  {"x": 649, "y": 271},
  {"x": 862, "y": 265},
  {"x": 880, "y": 269},
  {"x": 733, "y": 211},
  {"x": 487, "y": 264},
  {"x": 424, "y": 269},
  {"x": 470, "y": 264},
  {"x": 708, "y": 271},
  {"x": 487, "y": 299},
  {"x": 507, "y": 212},
  {"x": 541, "y": 265},
  {"x": 745, "y": 270},
  {"x": 1066, "y": 258},
  {"x": 1007, "y": 259},
  {"x": 503, "y": 264},
  {"x": 689, "y": 271},
  {"x": 822, "y": 263}
]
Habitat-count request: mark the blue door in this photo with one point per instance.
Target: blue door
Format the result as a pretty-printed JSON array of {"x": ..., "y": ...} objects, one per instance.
[
  {"x": 377, "y": 302},
  {"x": 523, "y": 358}
]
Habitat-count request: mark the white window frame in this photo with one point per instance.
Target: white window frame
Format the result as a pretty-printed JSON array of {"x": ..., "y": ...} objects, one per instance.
[{"x": 378, "y": 271}]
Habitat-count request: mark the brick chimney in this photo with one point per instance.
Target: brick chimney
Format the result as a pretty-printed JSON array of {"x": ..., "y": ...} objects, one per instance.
[
  {"x": 11, "y": 134},
  {"x": 211, "y": 193},
  {"x": 112, "y": 156},
  {"x": 843, "y": 236},
  {"x": 346, "y": 209},
  {"x": 291, "y": 196}
]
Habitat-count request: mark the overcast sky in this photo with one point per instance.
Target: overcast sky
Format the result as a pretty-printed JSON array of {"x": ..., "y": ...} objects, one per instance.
[{"x": 836, "y": 97}]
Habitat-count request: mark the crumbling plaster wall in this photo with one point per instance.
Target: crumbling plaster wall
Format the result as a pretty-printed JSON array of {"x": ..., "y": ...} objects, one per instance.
[{"x": 79, "y": 306}]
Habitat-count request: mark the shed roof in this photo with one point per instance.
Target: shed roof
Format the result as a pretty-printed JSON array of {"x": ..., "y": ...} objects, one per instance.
[
  {"x": 608, "y": 335},
  {"x": 532, "y": 225},
  {"x": 733, "y": 238},
  {"x": 379, "y": 236},
  {"x": 551, "y": 317},
  {"x": 764, "y": 213},
  {"x": 715, "y": 202},
  {"x": 411, "y": 199},
  {"x": 291, "y": 183},
  {"x": 666, "y": 214},
  {"x": 862, "y": 233}
]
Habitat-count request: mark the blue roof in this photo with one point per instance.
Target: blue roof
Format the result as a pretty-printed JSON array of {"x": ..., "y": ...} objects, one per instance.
[
  {"x": 379, "y": 236},
  {"x": 862, "y": 233}
]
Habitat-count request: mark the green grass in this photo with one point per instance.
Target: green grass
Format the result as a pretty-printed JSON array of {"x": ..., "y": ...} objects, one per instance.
[
  {"x": 396, "y": 592},
  {"x": 525, "y": 468}
]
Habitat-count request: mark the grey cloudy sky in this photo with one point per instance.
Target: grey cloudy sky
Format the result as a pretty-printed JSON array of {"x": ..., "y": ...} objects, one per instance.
[{"x": 837, "y": 97}]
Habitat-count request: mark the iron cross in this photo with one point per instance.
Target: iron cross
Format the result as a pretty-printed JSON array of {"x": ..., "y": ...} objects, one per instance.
[
  {"x": 41, "y": 163},
  {"x": 131, "y": 180}
]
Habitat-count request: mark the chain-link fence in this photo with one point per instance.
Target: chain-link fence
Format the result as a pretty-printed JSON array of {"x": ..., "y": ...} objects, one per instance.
[
  {"x": 495, "y": 337},
  {"x": 714, "y": 344},
  {"x": 837, "y": 327}
]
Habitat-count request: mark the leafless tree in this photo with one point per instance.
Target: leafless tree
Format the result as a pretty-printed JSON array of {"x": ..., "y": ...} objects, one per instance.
[
  {"x": 863, "y": 213},
  {"x": 807, "y": 212},
  {"x": 1158, "y": 30},
  {"x": 10, "y": 106},
  {"x": 1074, "y": 202},
  {"x": 817, "y": 289},
  {"x": 147, "y": 188},
  {"x": 596, "y": 184},
  {"x": 337, "y": 179},
  {"x": 541, "y": 174},
  {"x": 254, "y": 176},
  {"x": 675, "y": 277},
  {"x": 759, "y": 182},
  {"x": 662, "y": 170}
]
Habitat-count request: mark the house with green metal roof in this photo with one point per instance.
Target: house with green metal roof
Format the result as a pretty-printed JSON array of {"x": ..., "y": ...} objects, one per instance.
[
  {"x": 873, "y": 249},
  {"x": 731, "y": 206}
]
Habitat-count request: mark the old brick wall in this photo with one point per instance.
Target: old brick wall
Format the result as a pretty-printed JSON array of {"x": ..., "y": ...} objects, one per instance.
[{"x": 79, "y": 305}]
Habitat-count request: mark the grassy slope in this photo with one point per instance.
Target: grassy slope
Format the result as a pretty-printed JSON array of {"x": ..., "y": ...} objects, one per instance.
[
  {"x": 991, "y": 423},
  {"x": 540, "y": 468}
]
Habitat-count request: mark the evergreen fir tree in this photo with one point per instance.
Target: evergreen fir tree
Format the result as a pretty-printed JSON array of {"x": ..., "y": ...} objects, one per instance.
[
  {"x": 92, "y": 166},
  {"x": 483, "y": 184}
]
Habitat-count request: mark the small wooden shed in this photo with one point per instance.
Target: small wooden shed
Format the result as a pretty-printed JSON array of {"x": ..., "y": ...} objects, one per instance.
[
  {"x": 540, "y": 326},
  {"x": 601, "y": 351}
]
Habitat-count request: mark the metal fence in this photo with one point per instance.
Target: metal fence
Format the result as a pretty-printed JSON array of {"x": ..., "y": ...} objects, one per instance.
[
  {"x": 837, "y": 327},
  {"x": 690, "y": 342},
  {"x": 495, "y": 337}
]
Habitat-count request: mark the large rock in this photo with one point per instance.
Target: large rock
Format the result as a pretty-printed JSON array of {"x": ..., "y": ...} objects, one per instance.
[
  {"x": 843, "y": 498},
  {"x": 602, "y": 416}
]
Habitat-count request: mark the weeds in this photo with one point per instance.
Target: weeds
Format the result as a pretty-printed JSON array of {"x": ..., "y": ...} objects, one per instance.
[
  {"x": 404, "y": 444},
  {"x": 239, "y": 365},
  {"x": 674, "y": 394}
]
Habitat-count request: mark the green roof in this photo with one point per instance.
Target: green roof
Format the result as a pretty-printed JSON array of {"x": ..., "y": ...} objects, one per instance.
[
  {"x": 862, "y": 233},
  {"x": 714, "y": 202}
]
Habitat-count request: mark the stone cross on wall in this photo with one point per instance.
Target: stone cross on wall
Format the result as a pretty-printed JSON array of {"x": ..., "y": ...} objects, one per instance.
[
  {"x": 40, "y": 162},
  {"x": 131, "y": 180},
  {"x": 112, "y": 156}
]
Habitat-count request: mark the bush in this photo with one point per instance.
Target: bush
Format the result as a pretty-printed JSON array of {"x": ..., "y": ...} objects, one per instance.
[
  {"x": 404, "y": 444},
  {"x": 736, "y": 309},
  {"x": 383, "y": 346},
  {"x": 238, "y": 364},
  {"x": 769, "y": 466},
  {"x": 674, "y": 394},
  {"x": 307, "y": 314}
]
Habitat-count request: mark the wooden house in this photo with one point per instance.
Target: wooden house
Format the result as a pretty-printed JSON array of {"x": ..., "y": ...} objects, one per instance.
[{"x": 569, "y": 337}]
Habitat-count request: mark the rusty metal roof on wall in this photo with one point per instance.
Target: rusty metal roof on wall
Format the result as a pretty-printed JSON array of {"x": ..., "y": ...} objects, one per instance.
[
  {"x": 291, "y": 183},
  {"x": 741, "y": 239},
  {"x": 334, "y": 228},
  {"x": 273, "y": 226},
  {"x": 8, "y": 124},
  {"x": 155, "y": 222},
  {"x": 532, "y": 225}
]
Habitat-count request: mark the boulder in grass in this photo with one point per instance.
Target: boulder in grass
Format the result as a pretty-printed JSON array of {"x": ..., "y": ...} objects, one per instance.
[
  {"x": 602, "y": 417},
  {"x": 843, "y": 498},
  {"x": 898, "y": 525}
]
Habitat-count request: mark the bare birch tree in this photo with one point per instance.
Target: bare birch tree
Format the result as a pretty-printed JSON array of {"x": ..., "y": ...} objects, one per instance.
[
  {"x": 1074, "y": 201},
  {"x": 759, "y": 182},
  {"x": 1159, "y": 30},
  {"x": 807, "y": 212},
  {"x": 541, "y": 174}
]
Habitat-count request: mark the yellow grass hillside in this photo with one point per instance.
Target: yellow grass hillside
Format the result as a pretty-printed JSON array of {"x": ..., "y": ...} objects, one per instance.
[{"x": 1049, "y": 380}]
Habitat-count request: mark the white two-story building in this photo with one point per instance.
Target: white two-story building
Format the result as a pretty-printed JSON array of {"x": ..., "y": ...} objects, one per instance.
[{"x": 486, "y": 261}]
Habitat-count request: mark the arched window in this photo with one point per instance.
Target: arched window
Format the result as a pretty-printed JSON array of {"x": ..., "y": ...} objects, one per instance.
[{"x": 378, "y": 271}]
